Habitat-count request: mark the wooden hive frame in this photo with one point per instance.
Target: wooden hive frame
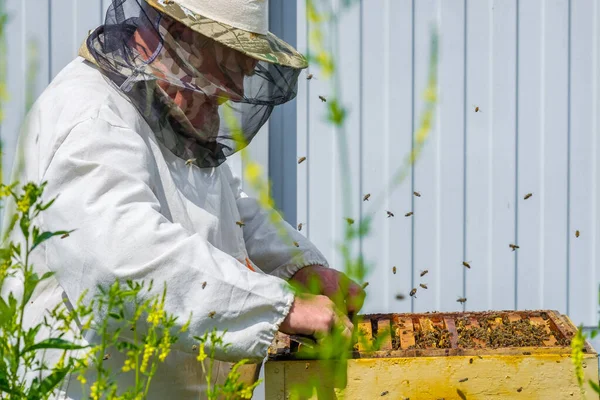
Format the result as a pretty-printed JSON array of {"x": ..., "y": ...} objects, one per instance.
[{"x": 405, "y": 367}]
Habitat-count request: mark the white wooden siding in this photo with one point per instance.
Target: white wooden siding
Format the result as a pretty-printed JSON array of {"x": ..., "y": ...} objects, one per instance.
[{"x": 532, "y": 69}]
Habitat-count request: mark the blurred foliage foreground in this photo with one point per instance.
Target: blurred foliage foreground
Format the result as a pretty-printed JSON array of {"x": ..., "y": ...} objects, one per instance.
[{"x": 22, "y": 349}]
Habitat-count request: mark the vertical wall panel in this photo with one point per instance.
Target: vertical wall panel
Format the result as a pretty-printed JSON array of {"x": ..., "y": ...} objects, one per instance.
[
  {"x": 451, "y": 123},
  {"x": 397, "y": 235},
  {"x": 502, "y": 155},
  {"x": 478, "y": 157},
  {"x": 554, "y": 139},
  {"x": 425, "y": 220},
  {"x": 530, "y": 92},
  {"x": 582, "y": 296}
]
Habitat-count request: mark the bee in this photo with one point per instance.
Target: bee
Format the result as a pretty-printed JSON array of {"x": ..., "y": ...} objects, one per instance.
[
  {"x": 466, "y": 264},
  {"x": 168, "y": 2},
  {"x": 296, "y": 244},
  {"x": 513, "y": 246},
  {"x": 301, "y": 160},
  {"x": 417, "y": 194},
  {"x": 520, "y": 389},
  {"x": 384, "y": 393},
  {"x": 476, "y": 108},
  {"x": 203, "y": 285},
  {"x": 240, "y": 224},
  {"x": 424, "y": 272},
  {"x": 528, "y": 195},
  {"x": 413, "y": 292},
  {"x": 423, "y": 285},
  {"x": 470, "y": 361},
  {"x": 462, "y": 300},
  {"x": 190, "y": 161},
  {"x": 366, "y": 198},
  {"x": 66, "y": 235},
  {"x": 106, "y": 357},
  {"x": 463, "y": 380},
  {"x": 400, "y": 296},
  {"x": 364, "y": 285},
  {"x": 309, "y": 77},
  {"x": 323, "y": 99},
  {"x": 350, "y": 221},
  {"x": 194, "y": 348},
  {"x": 408, "y": 214},
  {"x": 300, "y": 226},
  {"x": 389, "y": 214},
  {"x": 212, "y": 314},
  {"x": 306, "y": 366},
  {"x": 576, "y": 233},
  {"x": 394, "y": 270}
]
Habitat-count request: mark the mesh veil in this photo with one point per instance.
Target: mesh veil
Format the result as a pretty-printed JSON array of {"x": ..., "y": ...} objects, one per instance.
[{"x": 180, "y": 81}]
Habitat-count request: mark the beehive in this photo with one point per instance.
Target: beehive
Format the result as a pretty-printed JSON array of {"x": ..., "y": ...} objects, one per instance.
[{"x": 510, "y": 354}]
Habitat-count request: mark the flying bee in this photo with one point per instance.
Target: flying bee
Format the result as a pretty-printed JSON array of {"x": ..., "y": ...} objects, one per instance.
[
  {"x": 212, "y": 314},
  {"x": 323, "y": 99},
  {"x": 309, "y": 77},
  {"x": 364, "y": 285},
  {"x": 384, "y": 393},
  {"x": 301, "y": 160},
  {"x": 350, "y": 221},
  {"x": 306, "y": 366},
  {"x": 167, "y": 2},
  {"x": 528, "y": 195},
  {"x": 190, "y": 161},
  {"x": 240, "y": 224},
  {"x": 462, "y": 300},
  {"x": 513, "y": 246},
  {"x": 466, "y": 264},
  {"x": 389, "y": 214},
  {"x": 477, "y": 109},
  {"x": 194, "y": 347},
  {"x": 408, "y": 214},
  {"x": 296, "y": 244},
  {"x": 367, "y": 196},
  {"x": 394, "y": 270},
  {"x": 423, "y": 285},
  {"x": 424, "y": 272},
  {"x": 413, "y": 292},
  {"x": 203, "y": 285},
  {"x": 463, "y": 380},
  {"x": 106, "y": 357},
  {"x": 400, "y": 296},
  {"x": 300, "y": 226},
  {"x": 576, "y": 233},
  {"x": 417, "y": 194}
]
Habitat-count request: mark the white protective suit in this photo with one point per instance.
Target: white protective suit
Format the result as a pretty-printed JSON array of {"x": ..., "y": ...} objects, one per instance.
[{"x": 141, "y": 213}]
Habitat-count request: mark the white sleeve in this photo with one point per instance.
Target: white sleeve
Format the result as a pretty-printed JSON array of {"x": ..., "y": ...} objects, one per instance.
[
  {"x": 272, "y": 252},
  {"x": 101, "y": 176}
]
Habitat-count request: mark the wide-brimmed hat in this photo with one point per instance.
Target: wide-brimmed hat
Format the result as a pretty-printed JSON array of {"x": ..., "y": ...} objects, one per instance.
[{"x": 239, "y": 24}]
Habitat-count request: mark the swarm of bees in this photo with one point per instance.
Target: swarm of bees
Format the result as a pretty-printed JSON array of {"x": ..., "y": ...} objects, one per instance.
[
  {"x": 301, "y": 160},
  {"x": 366, "y": 197}
]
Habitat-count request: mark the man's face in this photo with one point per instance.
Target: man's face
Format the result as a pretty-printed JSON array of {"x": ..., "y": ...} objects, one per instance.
[{"x": 198, "y": 73}]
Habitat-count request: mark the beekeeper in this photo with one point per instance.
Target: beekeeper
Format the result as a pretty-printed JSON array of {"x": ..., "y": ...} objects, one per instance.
[{"x": 132, "y": 140}]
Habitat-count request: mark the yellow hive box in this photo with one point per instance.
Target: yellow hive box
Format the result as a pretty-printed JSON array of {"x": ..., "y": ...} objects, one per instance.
[{"x": 507, "y": 355}]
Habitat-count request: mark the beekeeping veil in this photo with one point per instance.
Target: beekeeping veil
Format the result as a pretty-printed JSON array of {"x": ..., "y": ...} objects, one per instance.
[{"x": 205, "y": 74}]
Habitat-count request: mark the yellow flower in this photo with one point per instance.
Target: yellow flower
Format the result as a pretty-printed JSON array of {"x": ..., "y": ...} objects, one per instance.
[
  {"x": 23, "y": 204},
  {"x": 253, "y": 172},
  {"x": 148, "y": 352},
  {"x": 201, "y": 354},
  {"x": 82, "y": 379},
  {"x": 128, "y": 365}
]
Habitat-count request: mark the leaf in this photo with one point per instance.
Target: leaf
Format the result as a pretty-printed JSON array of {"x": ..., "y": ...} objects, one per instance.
[
  {"x": 47, "y": 235},
  {"x": 54, "y": 343},
  {"x": 4, "y": 384},
  {"x": 48, "y": 384},
  {"x": 595, "y": 386},
  {"x": 594, "y": 333},
  {"x": 44, "y": 207}
]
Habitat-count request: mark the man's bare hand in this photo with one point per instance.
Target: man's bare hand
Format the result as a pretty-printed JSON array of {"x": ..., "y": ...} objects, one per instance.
[
  {"x": 346, "y": 294},
  {"x": 315, "y": 316}
]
